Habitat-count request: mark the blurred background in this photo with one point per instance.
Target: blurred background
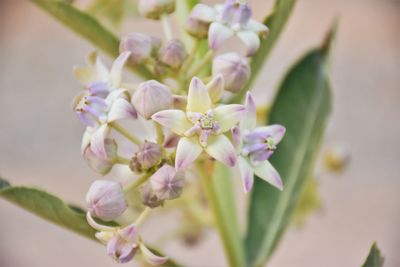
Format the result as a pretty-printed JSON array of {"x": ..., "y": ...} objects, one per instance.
[{"x": 40, "y": 136}]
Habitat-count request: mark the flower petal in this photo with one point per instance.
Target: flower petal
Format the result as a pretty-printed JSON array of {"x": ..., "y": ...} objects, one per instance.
[
  {"x": 97, "y": 144},
  {"x": 204, "y": 13},
  {"x": 249, "y": 121},
  {"x": 101, "y": 72},
  {"x": 220, "y": 148},
  {"x": 87, "y": 136},
  {"x": 129, "y": 233},
  {"x": 246, "y": 173},
  {"x": 276, "y": 132},
  {"x": 121, "y": 109},
  {"x": 229, "y": 115},
  {"x": 116, "y": 69},
  {"x": 187, "y": 152},
  {"x": 152, "y": 258},
  {"x": 251, "y": 41},
  {"x": 198, "y": 98},
  {"x": 268, "y": 173},
  {"x": 258, "y": 27},
  {"x": 218, "y": 34},
  {"x": 216, "y": 88},
  {"x": 173, "y": 119}
]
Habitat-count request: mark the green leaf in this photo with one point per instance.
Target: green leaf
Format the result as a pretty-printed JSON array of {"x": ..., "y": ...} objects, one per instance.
[
  {"x": 276, "y": 23},
  {"x": 89, "y": 28},
  {"x": 53, "y": 209},
  {"x": 302, "y": 105},
  {"x": 219, "y": 190},
  {"x": 374, "y": 258},
  {"x": 309, "y": 202}
]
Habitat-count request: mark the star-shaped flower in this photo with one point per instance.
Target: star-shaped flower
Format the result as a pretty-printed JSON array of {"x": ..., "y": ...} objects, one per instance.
[{"x": 201, "y": 127}]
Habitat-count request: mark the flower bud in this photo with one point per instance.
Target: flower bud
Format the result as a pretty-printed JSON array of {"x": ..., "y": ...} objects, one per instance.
[
  {"x": 173, "y": 54},
  {"x": 167, "y": 183},
  {"x": 197, "y": 28},
  {"x": 141, "y": 46},
  {"x": 99, "y": 164},
  {"x": 235, "y": 70},
  {"x": 151, "y": 97},
  {"x": 149, "y": 155},
  {"x": 106, "y": 200},
  {"x": 149, "y": 198},
  {"x": 154, "y": 9}
]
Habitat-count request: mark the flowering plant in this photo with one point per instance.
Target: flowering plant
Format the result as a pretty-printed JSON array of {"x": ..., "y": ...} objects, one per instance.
[{"x": 202, "y": 131}]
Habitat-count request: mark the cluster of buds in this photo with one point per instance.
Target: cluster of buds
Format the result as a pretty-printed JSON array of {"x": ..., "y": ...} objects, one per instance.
[{"x": 192, "y": 120}]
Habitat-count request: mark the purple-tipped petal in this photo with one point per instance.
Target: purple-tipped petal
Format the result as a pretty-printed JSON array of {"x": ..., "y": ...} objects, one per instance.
[
  {"x": 250, "y": 120},
  {"x": 251, "y": 41},
  {"x": 121, "y": 109},
  {"x": 243, "y": 15},
  {"x": 198, "y": 97},
  {"x": 216, "y": 88},
  {"x": 97, "y": 144},
  {"x": 246, "y": 174},
  {"x": 218, "y": 34},
  {"x": 220, "y": 148},
  {"x": 236, "y": 134},
  {"x": 173, "y": 119},
  {"x": 99, "y": 88},
  {"x": 229, "y": 115},
  {"x": 257, "y": 27},
  {"x": 152, "y": 258},
  {"x": 129, "y": 233},
  {"x": 187, "y": 152},
  {"x": 276, "y": 132},
  {"x": 268, "y": 173},
  {"x": 116, "y": 69}
]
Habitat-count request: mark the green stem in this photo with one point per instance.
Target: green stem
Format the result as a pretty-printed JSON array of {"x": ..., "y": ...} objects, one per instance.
[
  {"x": 166, "y": 27},
  {"x": 142, "y": 216},
  {"x": 138, "y": 182},
  {"x": 207, "y": 57},
  {"x": 122, "y": 160},
  {"x": 125, "y": 133}
]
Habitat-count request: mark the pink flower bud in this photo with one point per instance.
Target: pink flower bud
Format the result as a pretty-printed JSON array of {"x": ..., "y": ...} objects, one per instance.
[
  {"x": 173, "y": 54},
  {"x": 149, "y": 198},
  {"x": 167, "y": 183},
  {"x": 151, "y": 97},
  {"x": 149, "y": 155},
  {"x": 99, "y": 164},
  {"x": 141, "y": 46},
  {"x": 154, "y": 9},
  {"x": 106, "y": 200},
  {"x": 235, "y": 70}
]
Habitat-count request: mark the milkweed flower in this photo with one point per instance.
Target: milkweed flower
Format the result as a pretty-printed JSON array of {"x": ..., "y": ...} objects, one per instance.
[
  {"x": 201, "y": 127},
  {"x": 227, "y": 20},
  {"x": 256, "y": 145}
]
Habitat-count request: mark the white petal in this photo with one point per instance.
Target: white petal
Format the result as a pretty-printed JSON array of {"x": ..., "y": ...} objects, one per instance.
[
  {"x": 220, "y": 148},
  {"x": 251, "y": 40},
  {"x": 87, "y": 136},
  {"x": 216, "y": 88},
  {"x": 173, "y": 119},
  {"x": 116, "y": 69},
  {"x": 249, "y": 121},
  {"x": 100, "y": 71},
  {"x": 198, "y": 97},
  {"x": 152, "y": 258},
  {"x": 187, "y": 152},
  {"x": 204, "y": 13},
  {"x": 267, "y": 172},
  {"x": 97, "y": 144},
  {"x": 121, "y": 109},
  {"x": 257, "y": 27},
  {"x": 218, "y": 34},
  {"x": 229, "y": 115},
  {"x": 246, "y": 173}
]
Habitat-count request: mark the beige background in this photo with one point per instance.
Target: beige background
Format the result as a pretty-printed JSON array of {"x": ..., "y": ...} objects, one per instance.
[{"x": 40, "y": 137}]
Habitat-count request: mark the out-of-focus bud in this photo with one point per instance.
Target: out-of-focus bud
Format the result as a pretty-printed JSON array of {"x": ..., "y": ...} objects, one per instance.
[
  {"x": 149, "y": 198},
  {"x": 154, "y": 9},
  {"x": 151, "y": 97},
  {"x": 199, "y": 20},
  {"x": 106, "y": 200},
  {"x": 337, "y": 158},
  {"x": 99, "y": 164},
  {"x": 123, "y": 245},
  {"x": 149, "y": 155},
  {"x": 173, "y": 54},
  {"x": 167, "y": 183},
  {"x": 216, "y": 88},
  {"x": 197, "y": 28},
  {"x": 235, "y": 70},
  {"x": 141, "y": 46}
]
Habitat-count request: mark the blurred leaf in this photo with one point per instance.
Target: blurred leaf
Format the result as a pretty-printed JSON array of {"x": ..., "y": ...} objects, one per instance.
[
  {"x": 219, "y": 189},
  {"x": 276, "y": 23},
  {"x": 53, "y": 209},
  {"x": 309, "y": 202},
  {"x": 302, "y": 105},
  {"x": 375, "y": 258},
  {"x": 89, "y": 28}
]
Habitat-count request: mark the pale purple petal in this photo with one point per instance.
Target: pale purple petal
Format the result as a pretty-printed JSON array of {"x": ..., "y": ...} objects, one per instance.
[
  {"x": 116, "y": 69},
  {"x": 250, "y": 120},
  {"x": 171, "y": 140},
  {"x": 203, "y": 13},
  {"x": 246, "y": 174},
  {"x": 99, "y": 88},
  {"x": 257, "y": 27},
  {"x": 97, "y": 144},
  {"x": 87, "y": 137},
  {"x": 229, "y": 115},
  {"x": 251, "y": 41},
  {"x": 236, "y": 134},
  {"x": 129, "y": 233},
  {"x": 218, "y": 34},
  {"x": 261, "y": 155},
  {"x": 152, "y": 258},
  {"x": 268, "y": 173},
  {"x": 121, "y": 109},
  {"x": 187, "y": 152},
  {"x": 198, "y": 97},
  {"x": 220, "y": 148},
  {"x": 276, "y": 132},
  {"x": 173, "y": 119}
]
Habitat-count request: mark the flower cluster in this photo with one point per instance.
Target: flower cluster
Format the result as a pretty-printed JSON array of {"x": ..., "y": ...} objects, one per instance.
[{"x": 187, "y": 105}]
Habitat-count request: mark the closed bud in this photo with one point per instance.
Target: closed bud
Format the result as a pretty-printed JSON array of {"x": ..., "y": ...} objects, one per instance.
[
  {"x": 149, "y": 198},
  {"x": 197, "y": 28},
  {"x": 173, "y": 54},
  {"x": 99, "y": 164},
  {"x": 149, "y": 155},
  {"x": 151, "y": 97},
  {"x": 141, "y": 46},
  {"x": 167, "y": 183},
  {"x": 154, "y": 9},
  {"x": 235, "y": 70},
  {"x": 106, "y": 200}
]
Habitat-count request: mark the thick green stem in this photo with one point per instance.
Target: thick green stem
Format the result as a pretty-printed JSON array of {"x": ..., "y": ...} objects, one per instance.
[
  {"x": 166, "y": 27},
  {"x": 138, "y": 182}
]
